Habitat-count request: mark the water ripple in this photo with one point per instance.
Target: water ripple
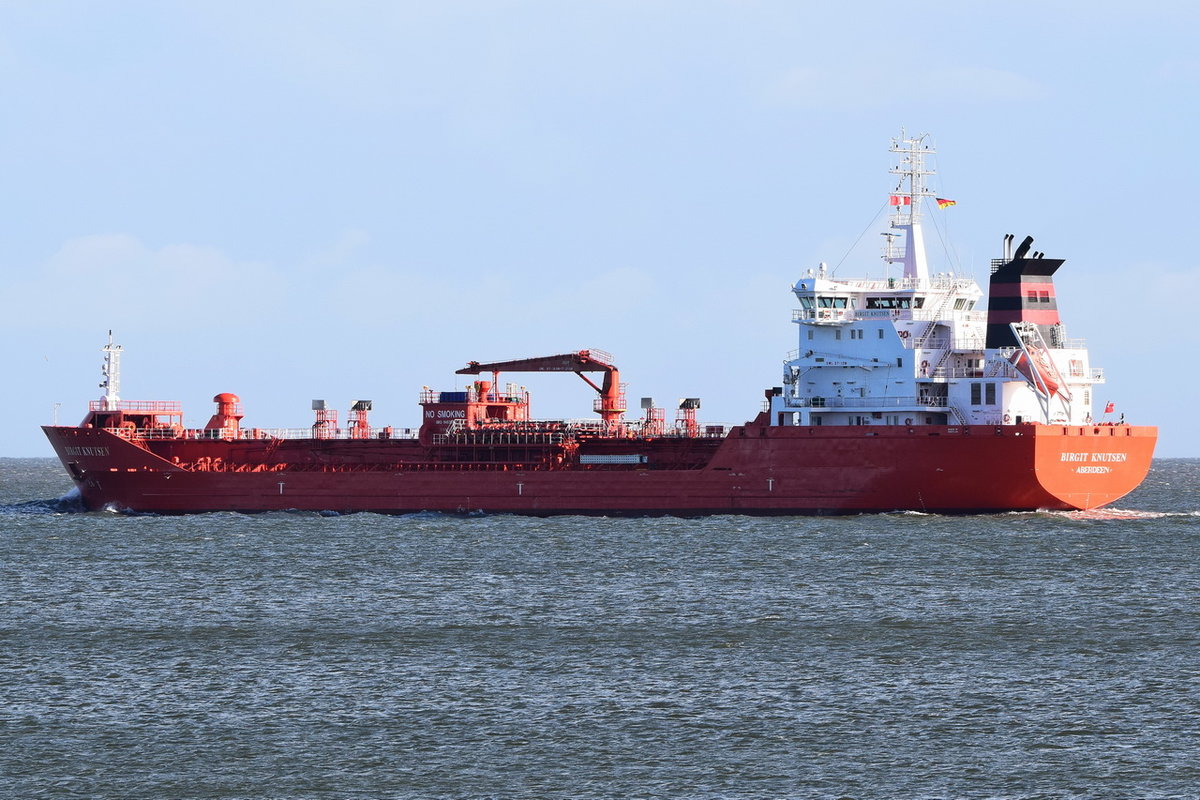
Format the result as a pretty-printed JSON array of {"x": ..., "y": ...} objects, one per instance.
[{"x": 297, "y": 655}]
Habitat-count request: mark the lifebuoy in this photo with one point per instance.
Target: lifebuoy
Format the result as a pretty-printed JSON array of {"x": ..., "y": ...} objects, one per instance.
[
  {"x": 908, "y": 420},
  {"x": 903, "y": 334},
  {"x": 924, "y": 366},
  {"x": 1007, "y": 419}
]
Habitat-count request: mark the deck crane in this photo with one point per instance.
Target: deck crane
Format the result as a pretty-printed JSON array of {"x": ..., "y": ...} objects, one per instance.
[{"x": 611, "y": 403}]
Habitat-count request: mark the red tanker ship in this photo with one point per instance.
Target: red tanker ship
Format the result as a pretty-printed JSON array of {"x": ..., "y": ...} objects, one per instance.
[{"x": 901, "y": 396}]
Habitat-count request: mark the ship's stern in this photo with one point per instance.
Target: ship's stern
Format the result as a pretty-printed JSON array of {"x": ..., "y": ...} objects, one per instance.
[{"x": 1091, "y": 466}]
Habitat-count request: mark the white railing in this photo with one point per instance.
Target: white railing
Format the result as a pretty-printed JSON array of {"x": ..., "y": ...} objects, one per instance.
[
  {"x": 509, "y": 394},
  {"x": 139, "y": 406},
  {"x": 837, "y": 315},
  {"x": 331, "y": 433},
  {"x": 931, "y": 315},
  {"x": 969, "y": 342},
  {"x": 942, "y": 282},
  {"x": 267, "y": 433},
  {"x": 823, "y": 315},
  {"x": 864, "y": 402}
]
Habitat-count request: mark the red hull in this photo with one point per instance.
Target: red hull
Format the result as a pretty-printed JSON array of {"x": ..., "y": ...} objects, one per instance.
[{"x": 756, "y": 469}]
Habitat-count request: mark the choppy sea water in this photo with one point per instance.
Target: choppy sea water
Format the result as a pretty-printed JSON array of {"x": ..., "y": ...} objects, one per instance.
[{"x": 889, "y": 656}]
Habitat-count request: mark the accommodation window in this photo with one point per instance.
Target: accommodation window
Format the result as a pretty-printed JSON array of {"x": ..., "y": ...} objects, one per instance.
[
  {"x": 989, "y": 394},
  {"x": 837, "y": 334},
  {"x": 881, "y": 333},
  {"x": 976, "y": 394},
  {"x": 810, "y": 333}
]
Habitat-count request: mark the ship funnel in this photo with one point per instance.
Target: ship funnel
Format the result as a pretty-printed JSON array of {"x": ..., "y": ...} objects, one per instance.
[
  {"x": 1022, "y": 290},
  {"x": 1024, "y": 248}
]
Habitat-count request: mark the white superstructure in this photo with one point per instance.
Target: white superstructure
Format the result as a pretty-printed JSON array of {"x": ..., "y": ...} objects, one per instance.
[{"x": 919, "y": 349}]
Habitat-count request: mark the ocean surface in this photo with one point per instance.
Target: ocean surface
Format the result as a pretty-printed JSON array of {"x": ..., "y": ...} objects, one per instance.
[{"x": 1046, "y": 655}]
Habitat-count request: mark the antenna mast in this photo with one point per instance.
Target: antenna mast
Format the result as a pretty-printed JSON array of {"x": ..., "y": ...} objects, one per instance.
[
  {"x": 906, "y": 204},
  {"x": 112, "y": 374}
]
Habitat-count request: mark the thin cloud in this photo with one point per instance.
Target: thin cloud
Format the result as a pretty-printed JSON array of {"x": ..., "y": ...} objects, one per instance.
[
  {"x": 876, "y": 87},
  {"x": 96, "y": 279},
  {"x": 1183, "y": 70}
]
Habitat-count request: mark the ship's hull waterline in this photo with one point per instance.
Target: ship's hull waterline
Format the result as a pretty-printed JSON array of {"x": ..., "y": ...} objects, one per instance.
[{"x": 755, "y": 469}]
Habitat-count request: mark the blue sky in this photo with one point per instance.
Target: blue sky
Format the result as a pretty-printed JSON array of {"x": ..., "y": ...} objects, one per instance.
[{"x": 349, "y": 200}]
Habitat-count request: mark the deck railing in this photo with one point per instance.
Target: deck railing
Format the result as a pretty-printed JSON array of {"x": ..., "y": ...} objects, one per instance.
[
  {"x": 865, "y": 402},
  {"x": 139, "y": 406},
  {"x": 266, "y": 433},
  {"x": 831, "y": 315}
]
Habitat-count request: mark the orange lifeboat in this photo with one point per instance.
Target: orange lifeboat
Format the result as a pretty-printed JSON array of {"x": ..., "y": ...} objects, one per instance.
[{"x": 1036, "y": 370}]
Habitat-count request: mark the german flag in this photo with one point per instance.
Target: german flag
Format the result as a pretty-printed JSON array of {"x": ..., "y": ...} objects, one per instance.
[{"x": 944, "y": 203}]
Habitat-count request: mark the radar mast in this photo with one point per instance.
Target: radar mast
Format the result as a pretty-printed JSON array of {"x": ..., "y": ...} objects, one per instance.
[{"x": 906, "y": 206}]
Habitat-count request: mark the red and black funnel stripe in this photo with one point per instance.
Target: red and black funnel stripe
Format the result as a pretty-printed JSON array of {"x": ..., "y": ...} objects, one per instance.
[{"x": 1022, "y": 290}]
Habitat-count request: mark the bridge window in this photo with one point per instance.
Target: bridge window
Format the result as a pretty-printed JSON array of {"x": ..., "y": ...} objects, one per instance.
[{"x": 890, "y": 303}]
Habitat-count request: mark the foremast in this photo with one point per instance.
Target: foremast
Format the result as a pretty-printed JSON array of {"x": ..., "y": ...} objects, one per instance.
[{"x": 112, "y": 375}]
